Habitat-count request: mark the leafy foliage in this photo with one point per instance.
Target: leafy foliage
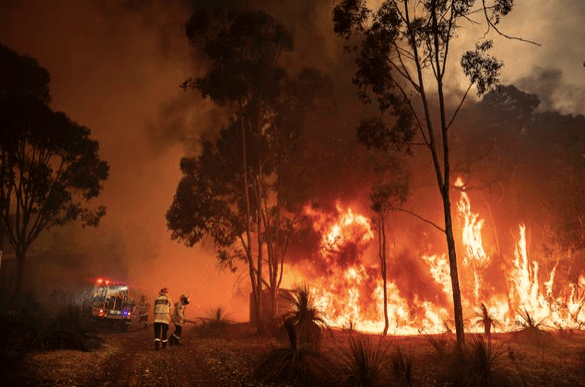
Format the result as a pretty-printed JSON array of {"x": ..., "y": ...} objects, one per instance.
[
  {"x": 49, "y": 167},
  {"x": 481, "y": 69},
  {"x": 243, "y": 190}
]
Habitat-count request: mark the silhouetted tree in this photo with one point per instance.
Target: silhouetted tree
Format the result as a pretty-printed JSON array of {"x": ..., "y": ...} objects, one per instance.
[
  {"x": 49, "y": 167},
  {"x": 402, "y": 52},
  {"x": 233, "y": 191}
]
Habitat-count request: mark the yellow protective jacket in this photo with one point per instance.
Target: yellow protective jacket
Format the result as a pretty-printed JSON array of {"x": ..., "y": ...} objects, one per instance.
[
  {"x": 179, "y": 313},
  {"x": 162, "y": 309}
]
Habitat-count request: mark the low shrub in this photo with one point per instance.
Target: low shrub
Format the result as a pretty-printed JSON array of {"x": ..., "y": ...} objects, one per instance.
[
  {"x": 296, "y": 364},
  {"x": 479, "y": 365},
  {"x": 365, "y": 360},
  {"x": 401, "y": 367}
]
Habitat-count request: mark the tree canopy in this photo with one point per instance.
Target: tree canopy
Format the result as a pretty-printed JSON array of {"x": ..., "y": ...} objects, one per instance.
[
  {"x": 242, "y": 188},
  {"x": 49, "y": 167}
]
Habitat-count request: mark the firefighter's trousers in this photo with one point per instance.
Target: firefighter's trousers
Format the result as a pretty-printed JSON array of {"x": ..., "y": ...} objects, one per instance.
[
  {"x": 176, "y": 334},
  {"x": 158, "y": 328}
]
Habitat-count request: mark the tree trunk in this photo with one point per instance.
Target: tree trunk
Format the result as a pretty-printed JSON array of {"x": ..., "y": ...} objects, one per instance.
[
  {"x": 457, "y": 308},
  {"x": 255, "y": 292},
  {"x": 20, "y": 268},
  {"x": 383, "y": 269},
  {"x": 261, "y": 323}
]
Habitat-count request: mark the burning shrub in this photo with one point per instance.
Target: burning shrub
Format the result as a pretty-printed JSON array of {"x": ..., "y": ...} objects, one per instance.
[{"x": 364, "y": 361}]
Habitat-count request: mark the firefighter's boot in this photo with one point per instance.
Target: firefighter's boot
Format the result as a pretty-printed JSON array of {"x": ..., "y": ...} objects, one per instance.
[
  {"x": 164, "y": 344},
  {"x": 156, "y": 345},
  {"x": 172, "y": 340}
]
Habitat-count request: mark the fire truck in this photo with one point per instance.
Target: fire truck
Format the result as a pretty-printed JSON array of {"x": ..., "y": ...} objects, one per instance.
[{"x": 110, "y": 301}]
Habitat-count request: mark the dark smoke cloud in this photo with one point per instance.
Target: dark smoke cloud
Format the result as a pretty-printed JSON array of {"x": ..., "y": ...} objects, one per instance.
[{"x": 553, "y": 91}]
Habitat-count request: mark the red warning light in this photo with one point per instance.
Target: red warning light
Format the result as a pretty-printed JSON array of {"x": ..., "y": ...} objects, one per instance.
[{"x": 99, "y": 281}]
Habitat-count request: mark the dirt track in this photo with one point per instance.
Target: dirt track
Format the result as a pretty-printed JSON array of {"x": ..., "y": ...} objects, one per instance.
[
  {"x": 127, "y": 359},
  {"x": 138, "y": 364}
]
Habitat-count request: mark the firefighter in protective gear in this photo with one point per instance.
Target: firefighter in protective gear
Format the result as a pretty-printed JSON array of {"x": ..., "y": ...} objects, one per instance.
[
  {"x": 162, "y": 317},
  {"x": 179, "y": 319}
]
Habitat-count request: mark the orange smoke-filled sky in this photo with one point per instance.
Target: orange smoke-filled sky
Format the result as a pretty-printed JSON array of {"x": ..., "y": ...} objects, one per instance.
[{"x": 116, "y": 67}]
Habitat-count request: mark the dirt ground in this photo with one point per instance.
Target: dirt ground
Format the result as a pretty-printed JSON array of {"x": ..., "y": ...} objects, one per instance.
[{"x": 129, "y": 359}]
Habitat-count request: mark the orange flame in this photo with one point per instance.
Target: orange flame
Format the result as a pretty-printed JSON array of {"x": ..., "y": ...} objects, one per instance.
[{"x": 352, "y": 289}]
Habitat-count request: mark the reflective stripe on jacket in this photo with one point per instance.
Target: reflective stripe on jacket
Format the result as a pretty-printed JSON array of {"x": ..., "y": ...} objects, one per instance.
[
  {"x": 162, "y": 309},
  {"x": 179, "y": 313}
]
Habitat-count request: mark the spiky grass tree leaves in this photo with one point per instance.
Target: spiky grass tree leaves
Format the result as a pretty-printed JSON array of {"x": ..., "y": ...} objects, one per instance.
[
  {"x": 364, "y": 362},
  {"x": 481, "y": 365},
  {"x": 297, "y": 364},
  {"x": 305, "y": 318}
]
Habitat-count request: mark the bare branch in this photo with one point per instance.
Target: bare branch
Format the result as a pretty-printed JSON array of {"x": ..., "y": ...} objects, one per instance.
[
  {"x": 492, "y": 25},
  {"x": 419, "y": 217},
  {"x": 459, "y": 107}
]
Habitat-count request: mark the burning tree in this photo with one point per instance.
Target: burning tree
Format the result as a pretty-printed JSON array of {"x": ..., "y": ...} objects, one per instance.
[
  {"x": 49, "y": 167},
  {"x": 403, "y": 46},
  {"x": 238, "y": 190}
]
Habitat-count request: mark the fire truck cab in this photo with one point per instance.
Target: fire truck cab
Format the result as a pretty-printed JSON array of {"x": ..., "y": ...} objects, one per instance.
[{"x": 110, "y": 300}]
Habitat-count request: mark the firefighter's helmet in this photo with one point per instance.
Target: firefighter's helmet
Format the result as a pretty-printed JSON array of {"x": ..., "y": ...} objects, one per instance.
[
  {"x": 164, "y": 290},
  {"x": 184, "y": 299}
]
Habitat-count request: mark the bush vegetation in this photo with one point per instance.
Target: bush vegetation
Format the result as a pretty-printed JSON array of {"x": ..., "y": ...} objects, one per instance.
[{"x": 27, "y": 326}]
